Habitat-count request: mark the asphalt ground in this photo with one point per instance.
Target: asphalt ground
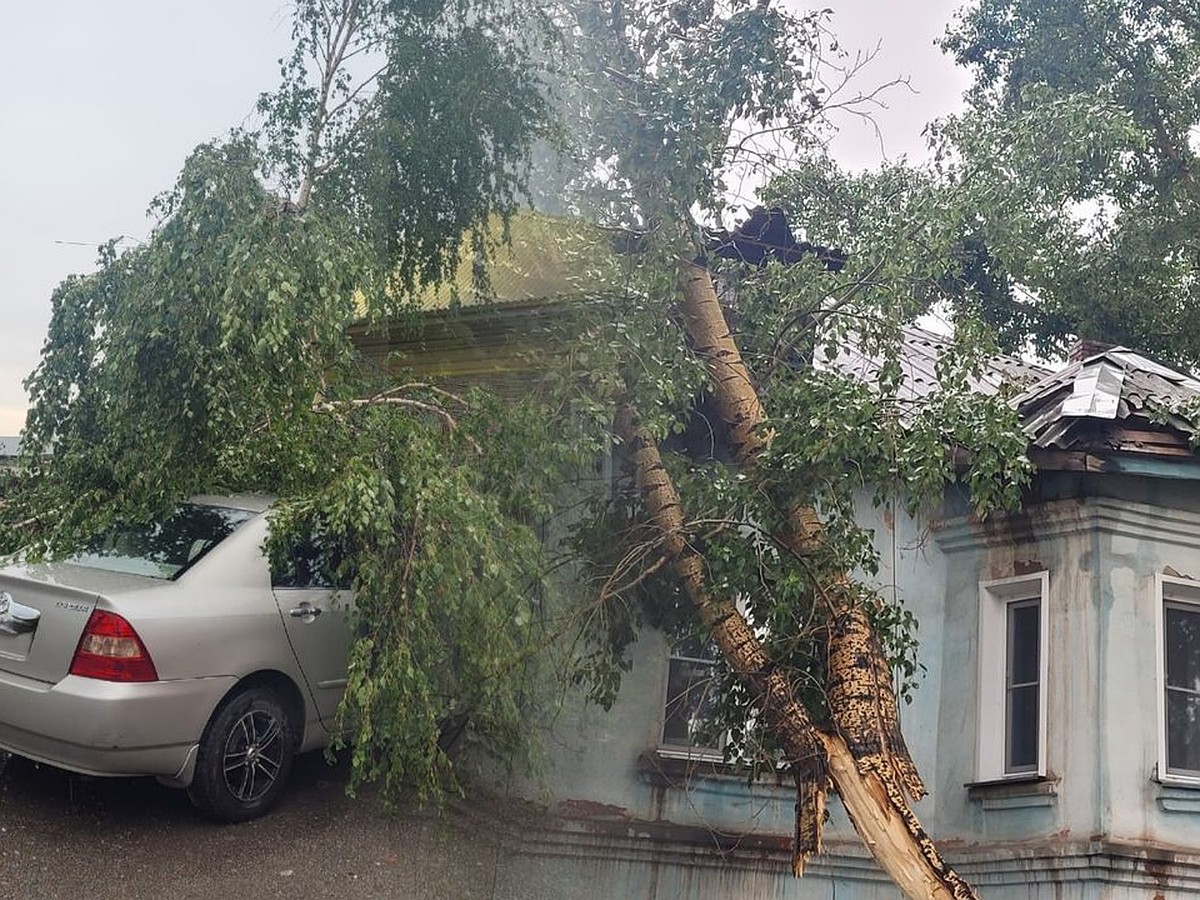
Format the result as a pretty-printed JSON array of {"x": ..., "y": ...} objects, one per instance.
[{"x": 65, "y": 836}]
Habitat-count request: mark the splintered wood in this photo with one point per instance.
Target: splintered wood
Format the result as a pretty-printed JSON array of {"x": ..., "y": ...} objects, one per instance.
[
  {"x": 863, "y": 704},
  {"x": 864, "y": 756}
]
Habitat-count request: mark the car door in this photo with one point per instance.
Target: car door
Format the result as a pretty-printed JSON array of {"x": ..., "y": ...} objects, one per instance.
[{"x": 316, "y": 616}]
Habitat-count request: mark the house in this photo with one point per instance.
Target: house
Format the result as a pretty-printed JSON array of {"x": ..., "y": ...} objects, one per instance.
[
  {"x": 1058, "y": 723},
  {"x": 10, "y": 449}
]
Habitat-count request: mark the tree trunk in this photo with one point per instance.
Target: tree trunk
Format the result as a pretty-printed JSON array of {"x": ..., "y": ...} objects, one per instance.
[
  {"x": 733, "y": 636},
  {"x": 867, "y": 759}
]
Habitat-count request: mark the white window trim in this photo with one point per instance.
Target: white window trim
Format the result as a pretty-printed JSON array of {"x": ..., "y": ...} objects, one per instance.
[
  {"x": 1168, "y": 589},
  {"x": 683, "y": 751},
  {"x": 994, "y": 598}
]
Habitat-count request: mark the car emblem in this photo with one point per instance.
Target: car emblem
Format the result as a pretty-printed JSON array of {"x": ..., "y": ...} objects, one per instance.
[{"x": 5, "y": 602}]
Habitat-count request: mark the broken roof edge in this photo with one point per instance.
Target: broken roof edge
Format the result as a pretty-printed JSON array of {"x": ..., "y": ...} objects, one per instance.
[
  {"x": 1123, "y": 357},
  {"x": 1114, "y": 403}
]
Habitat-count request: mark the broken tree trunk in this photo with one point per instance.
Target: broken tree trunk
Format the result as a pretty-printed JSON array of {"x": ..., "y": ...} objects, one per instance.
[
  {"x": 878, "y": 810},
  {"x": 733, "y": 636},
  {"x": 868, "y": 761}
]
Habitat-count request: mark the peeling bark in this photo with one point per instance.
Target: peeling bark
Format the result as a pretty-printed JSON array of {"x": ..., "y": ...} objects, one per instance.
[
  {"x": 734, "y": 637},
  {"x": 867, "y": 759},
  {"x": 863, "y": 704}
]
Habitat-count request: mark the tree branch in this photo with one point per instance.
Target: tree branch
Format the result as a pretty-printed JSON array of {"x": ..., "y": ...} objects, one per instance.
[{"x": 450, "y": 423}]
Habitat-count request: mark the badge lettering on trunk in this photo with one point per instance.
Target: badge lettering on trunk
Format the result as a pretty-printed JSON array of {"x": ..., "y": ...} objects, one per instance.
[{"x": 77, "y": 607}]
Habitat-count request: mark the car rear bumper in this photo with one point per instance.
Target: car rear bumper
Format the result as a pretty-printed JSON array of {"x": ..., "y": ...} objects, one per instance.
[{"x": 107, "y": 728}]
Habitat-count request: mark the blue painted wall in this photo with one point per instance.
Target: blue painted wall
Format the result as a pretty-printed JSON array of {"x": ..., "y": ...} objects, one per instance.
[{"x": 1099, "y": 825}]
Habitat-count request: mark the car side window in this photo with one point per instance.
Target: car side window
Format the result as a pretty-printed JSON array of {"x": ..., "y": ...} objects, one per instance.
[{"x": 304, "y": 566}]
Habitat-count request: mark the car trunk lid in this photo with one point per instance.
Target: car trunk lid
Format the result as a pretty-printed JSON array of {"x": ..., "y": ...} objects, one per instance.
[{"x": 43, "y": 611}]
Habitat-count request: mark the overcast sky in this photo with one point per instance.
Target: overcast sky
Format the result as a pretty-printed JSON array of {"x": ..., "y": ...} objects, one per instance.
[{"x": 101, "y": 101}]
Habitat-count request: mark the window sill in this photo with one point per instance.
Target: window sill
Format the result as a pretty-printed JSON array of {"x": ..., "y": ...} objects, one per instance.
[
  {"x": 1178, "y": 796},
  {"x": 1014, "y": 793},
  {"x": 669, "y": 767}
]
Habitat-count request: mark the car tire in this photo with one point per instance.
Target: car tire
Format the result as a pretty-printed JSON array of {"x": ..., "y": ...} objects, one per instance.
[{"x": 245, "y": 757}]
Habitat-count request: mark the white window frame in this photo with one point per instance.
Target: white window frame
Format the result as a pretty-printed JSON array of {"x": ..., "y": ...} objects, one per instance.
[
  {"x": 995, "y": 597},
  {"x": 1181, "y": 591},
  {"x": 684, "y": 751}
]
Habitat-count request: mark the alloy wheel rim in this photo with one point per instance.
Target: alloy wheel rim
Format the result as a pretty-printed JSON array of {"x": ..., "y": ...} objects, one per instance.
[{"x": 253, "y": 755}]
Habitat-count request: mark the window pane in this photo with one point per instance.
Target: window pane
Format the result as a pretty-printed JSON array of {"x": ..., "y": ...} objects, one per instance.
[
  {"x": 305, "y": 566},
  {"x": 1021, "y": 751},
  {"x": 695, "y": 648},
  {"x": 1023, "y": 642},
  {"x": 1183, "y": 731},
  {"x": 165, "y": 548},
  {"x": 690, "y": 702},
  {"x": 1183, "y": 647},
  {"x": 1021, "y": 719}
]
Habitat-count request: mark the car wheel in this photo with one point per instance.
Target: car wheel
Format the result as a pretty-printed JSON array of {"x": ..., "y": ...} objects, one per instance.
[{"x": 245, "y": 757}]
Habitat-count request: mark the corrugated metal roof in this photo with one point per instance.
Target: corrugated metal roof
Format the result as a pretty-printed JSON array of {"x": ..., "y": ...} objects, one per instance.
[
  {"x": 918, "y": 362},
  {"x": 1089, "y": 401}
]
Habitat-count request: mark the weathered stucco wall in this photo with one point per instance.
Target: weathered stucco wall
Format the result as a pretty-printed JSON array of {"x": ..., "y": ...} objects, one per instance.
[
  {"x": 1137, "y": 542},
  {"x": 614, "y": 820},
  {"x": 1102, "y": 554},
  {"x": 1053, "y": 537}
]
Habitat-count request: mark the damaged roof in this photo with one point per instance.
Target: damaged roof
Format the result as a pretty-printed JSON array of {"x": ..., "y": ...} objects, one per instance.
[
  {"x": 1117, "y": 399},
  {"x": 1114, "y": 405},
  {"x": 918, "y": 362}
]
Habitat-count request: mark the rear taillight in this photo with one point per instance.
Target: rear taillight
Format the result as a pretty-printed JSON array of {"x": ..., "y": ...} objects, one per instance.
[{"x": 111, "y": 651}]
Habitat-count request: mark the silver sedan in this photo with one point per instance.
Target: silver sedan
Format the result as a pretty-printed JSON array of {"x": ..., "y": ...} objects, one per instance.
[{"x": 171, "y": 650}]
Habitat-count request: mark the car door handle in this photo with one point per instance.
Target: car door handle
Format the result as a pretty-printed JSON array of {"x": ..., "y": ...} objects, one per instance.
[{"x": 305, "y": 611}]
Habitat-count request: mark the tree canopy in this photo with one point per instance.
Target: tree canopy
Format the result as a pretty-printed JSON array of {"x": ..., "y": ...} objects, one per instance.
[
  {"x": 217, "y": 356},
  {"x": 1081, "y": 124}
]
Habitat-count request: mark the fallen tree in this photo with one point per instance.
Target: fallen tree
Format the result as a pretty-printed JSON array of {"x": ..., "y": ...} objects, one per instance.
[
  {"x": 685, "y": 106},
  {"x": 864, "y": 756},
  {"x": 215, "y": 357}
]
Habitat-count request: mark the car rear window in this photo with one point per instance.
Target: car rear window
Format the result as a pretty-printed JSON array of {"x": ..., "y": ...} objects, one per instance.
[{"x": 162, "y": 549}]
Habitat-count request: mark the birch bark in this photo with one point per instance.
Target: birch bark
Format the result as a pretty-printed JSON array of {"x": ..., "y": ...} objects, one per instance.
[{"x": 865, "y": 759}]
